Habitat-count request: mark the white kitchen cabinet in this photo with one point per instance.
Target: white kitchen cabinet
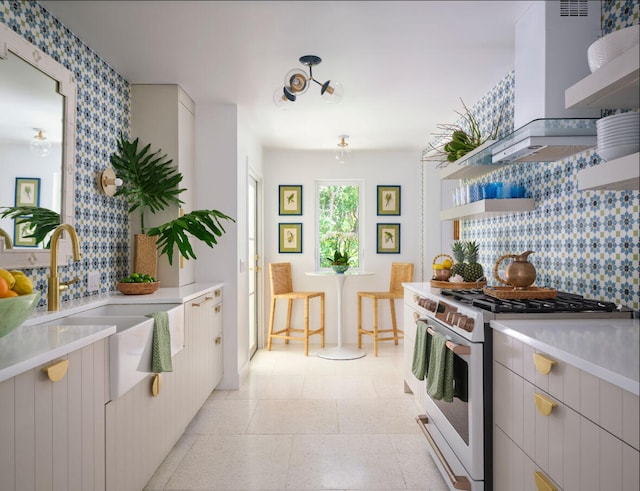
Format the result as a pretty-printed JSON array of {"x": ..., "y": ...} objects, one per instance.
[
  {"x": 615, "y": 85},
  {"x": 588, "y": 441},
  {"x": 143, "y": 428},
  {"x": 164, "y": 116},
  {"x": 203, "y": 316},
  {"x": 52, "y": 434}
]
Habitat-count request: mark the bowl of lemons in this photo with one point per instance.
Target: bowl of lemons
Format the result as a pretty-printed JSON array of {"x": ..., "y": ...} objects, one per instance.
[{"x": 17, "y": 300}]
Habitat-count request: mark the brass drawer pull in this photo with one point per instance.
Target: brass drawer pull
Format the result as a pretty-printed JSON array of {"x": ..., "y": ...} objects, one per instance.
[
  {"x": 218, "y": 292},
  {"x": 542, "y": 363},
  {"x": 218, "y": 340},
  {"x": 542, "y": 483},
  {"x": 56, "y": 371},
  {"x": 156, "y": 384},
  {"x": 200, "y": 304},
  {"x": 544, "y": 404},
  {"x": 218, "y": 309}
]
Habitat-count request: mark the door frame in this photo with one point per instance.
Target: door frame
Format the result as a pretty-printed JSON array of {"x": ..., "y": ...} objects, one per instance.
[{"x": 259, "y": 247}]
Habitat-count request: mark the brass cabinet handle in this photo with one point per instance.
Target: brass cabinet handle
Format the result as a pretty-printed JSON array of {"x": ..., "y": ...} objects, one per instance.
[
  {"x": 218, "y": 292},
  {"x": 544, "y": 404},
  {"x": 218, "y": 308},
  {"x": 56, "y": 371},
  {"x": 199, "y": 304},
  {"x": 156, "y": 384},
  {"x": 543, "y": 364},
  {"x": 542, "y": 483},
  {"x": 218, "y": 340}
]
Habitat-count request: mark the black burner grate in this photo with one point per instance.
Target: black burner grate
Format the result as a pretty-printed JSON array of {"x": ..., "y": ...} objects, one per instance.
[{"x": 565, "y": 302}]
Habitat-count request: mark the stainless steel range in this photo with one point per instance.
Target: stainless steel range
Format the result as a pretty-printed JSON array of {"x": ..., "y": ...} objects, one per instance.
[{"x": 459, "y": 432}]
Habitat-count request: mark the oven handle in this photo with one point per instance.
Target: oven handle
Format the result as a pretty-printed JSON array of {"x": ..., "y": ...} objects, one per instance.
[
  {"x": 458, "y": 482},
  {"x": 458, "y": 349}
]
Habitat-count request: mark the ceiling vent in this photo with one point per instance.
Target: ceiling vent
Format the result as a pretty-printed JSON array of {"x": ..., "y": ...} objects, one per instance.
[{"x": 574, "y": 8}]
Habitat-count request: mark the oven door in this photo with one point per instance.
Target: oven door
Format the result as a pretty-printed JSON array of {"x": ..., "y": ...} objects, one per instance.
[{"x": 460, "y": 424}]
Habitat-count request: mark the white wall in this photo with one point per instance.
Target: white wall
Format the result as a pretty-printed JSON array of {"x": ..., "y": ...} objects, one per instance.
[
  {"x": 217, "y": 188},
  {"x": 374, "y": 168},
  {"x": 225, "y": 150}
]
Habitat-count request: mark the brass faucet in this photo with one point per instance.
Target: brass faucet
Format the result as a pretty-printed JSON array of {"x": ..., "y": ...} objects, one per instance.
[
  {"x": 55, "y": 286},
  {"x": 7, "y": 239}
]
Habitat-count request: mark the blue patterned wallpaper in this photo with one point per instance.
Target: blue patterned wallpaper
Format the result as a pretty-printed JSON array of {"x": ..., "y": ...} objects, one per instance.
[
  {"x": 102, "y": 113},
  {"x": 585, "y": 242}
]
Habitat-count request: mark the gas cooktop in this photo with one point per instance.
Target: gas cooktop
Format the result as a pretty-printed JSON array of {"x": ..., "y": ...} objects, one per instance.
[{"x": 565, "y": 302}]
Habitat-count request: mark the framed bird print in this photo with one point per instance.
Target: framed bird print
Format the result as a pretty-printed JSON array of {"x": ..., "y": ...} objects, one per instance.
[
  {"x": 388, "y": 200},
  {"x": 290, "y": 237},
  {"x": 290, "y": 199},
  {"x": 388, "y": 241}
]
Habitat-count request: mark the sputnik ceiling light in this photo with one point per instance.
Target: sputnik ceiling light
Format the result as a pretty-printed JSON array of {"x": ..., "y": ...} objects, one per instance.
[
  {"x": 343, "y": 150},
  {"x": 39, "y": 144},
  {"x": 296, "y": 82}
]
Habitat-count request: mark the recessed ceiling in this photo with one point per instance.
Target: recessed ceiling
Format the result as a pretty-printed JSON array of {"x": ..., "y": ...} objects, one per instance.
[{"x": 404, "y": 65}]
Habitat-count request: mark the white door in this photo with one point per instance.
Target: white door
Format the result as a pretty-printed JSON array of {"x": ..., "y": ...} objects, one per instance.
[{"x": 255, "y": 269}]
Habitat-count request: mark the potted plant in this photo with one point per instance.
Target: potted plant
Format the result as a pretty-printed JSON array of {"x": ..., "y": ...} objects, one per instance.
[
  {"x": 339, "y": 260},
  {"x": 151, "y": 183}
]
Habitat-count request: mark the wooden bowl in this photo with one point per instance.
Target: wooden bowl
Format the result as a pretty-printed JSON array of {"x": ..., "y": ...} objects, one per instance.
[{"x": 137, "y": 288}]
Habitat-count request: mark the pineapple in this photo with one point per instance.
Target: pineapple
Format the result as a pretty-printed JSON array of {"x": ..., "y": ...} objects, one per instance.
[
  {"x": 473, "y": 269},
  {"x": 458, "y": 249}
]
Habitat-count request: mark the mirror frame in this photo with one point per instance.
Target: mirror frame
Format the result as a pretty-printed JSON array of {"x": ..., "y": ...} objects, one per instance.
[{"x": 16, "y": 44}]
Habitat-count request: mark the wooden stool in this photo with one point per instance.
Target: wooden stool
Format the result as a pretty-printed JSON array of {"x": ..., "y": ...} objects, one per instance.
[
  {"x": 400, "y": 273},
  {"x": 282, "y": 288}
]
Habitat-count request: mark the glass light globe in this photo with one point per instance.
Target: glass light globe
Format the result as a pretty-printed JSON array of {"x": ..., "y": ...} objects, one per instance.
[
  {"x": 296, "y": 81},
  {"x": 332, "y": 91},
  {"x": 282, "y": 99},
  {"x": 39, "y": 145}
]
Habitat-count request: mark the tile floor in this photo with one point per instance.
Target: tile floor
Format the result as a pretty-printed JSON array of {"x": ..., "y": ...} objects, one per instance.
[{"x": 302, "y": 423}]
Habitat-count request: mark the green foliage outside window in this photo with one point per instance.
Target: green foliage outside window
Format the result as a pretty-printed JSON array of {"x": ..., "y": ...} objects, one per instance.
[{"x": 339, "y": 228}]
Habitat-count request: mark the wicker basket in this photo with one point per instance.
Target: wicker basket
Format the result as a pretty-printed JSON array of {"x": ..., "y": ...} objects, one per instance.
[
  {"x": 137, "y": 288},
  {"x": 442, "y": 274},
  {"x": 462, "y": 285},
  {"x": 529, "y": 293}
]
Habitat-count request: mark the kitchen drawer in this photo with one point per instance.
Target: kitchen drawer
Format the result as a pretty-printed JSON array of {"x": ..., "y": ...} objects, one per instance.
[
  {"x": 512, "y": 468},
  {"x": 569, "y": 448},
  {"x": 607, "y": 405}
]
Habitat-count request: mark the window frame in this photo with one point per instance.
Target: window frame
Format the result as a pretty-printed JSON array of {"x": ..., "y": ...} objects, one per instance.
[{"x": 318, "y": 183}]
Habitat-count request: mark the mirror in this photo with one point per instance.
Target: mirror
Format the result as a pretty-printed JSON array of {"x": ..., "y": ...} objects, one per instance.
[{"x": 37, "y": 145}]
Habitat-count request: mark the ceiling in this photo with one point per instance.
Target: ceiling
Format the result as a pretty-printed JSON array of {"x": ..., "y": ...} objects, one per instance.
[{"x": 404, "y": 65}]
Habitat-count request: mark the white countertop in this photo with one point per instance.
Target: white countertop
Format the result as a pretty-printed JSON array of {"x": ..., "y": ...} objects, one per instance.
[
  {"x": 606, "y": 348},
  {"x": 39, "y": 340},
  {"x": 31, "y": 346}
]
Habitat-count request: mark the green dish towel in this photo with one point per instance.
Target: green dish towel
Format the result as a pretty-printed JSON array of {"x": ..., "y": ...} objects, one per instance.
[
  {"x": 161, "y": 355},
  {"x": 440, "y": 371},
  {"x": 421, "y": 350}
]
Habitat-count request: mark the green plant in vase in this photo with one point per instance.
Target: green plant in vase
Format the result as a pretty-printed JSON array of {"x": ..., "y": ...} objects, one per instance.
[{"x": 151, "y": 183}]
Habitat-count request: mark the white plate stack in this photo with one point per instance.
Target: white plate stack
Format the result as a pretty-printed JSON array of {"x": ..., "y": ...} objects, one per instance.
[{"x": 618, "y": 135}]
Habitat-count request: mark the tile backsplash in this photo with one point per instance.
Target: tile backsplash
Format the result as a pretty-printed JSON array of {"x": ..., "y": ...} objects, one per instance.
[
  {"x": 102, "y": 113},
  {"x": 585, "y": 242}
]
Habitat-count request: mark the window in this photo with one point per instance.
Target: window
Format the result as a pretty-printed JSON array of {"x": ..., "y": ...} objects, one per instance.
[{"x": 338, "y": 205}]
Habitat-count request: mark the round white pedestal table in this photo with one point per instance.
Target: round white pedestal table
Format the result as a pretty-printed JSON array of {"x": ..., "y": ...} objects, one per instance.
[{"x": 339, "y": 352}]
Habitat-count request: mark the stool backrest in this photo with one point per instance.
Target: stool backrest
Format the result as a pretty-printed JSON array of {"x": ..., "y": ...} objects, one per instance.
[
  {"x": 280, "y": 278},
  {"x": 400, "y": 273}
]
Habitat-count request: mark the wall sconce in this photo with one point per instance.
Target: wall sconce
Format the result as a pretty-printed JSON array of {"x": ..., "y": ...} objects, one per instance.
[
  {"x": 39, "y": 144},
  {"x": 296, "y": 82},
  {"x": 108, "y": 183},
  {"x": 343, "y": 150}
]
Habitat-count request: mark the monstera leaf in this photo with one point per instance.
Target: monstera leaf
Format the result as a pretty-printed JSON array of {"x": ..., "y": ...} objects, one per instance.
[{"x": 41, "y": 221}]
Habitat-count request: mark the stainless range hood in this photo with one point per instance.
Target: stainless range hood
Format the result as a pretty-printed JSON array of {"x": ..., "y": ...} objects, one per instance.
[
  {"x": 545, "y": 140},
  {"x": 551, "y": 41}
]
